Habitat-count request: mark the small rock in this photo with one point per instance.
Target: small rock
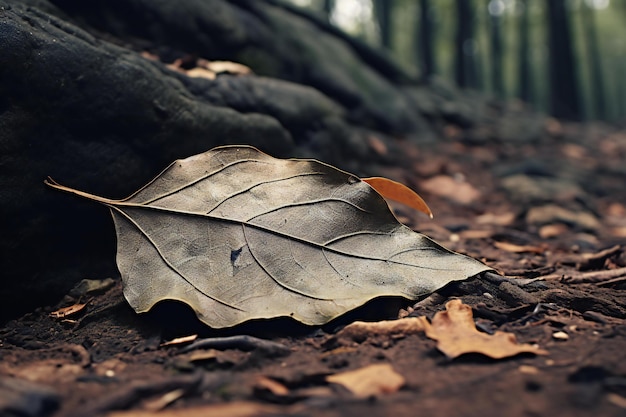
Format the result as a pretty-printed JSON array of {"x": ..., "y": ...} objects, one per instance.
[{"x": 560, "y": 336}]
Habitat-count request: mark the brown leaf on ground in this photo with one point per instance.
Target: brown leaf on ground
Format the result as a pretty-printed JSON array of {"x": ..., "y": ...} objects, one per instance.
[
  {"x": 264, "y": 386},
  {"x": 456, "y": 334},
  {"x": 503, "y": 219},
  {"x": 238, "y": 235},
  {"x": 445, "y": 186},
  {"x": 201, "y": 73},
  {"x": 399, "y": 192},
  {"x": 233, "y": 409},
  {"x": 225, "y": 67},
  {"x": 360, "y": 330},
  {"x": 180, "y": 340},
  {"x": 370, "y": 380},
  {"x": 511, "y": 247},
  {"x": 377, "y": 145}
]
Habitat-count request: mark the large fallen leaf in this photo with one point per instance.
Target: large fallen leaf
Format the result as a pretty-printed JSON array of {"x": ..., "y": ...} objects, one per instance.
[
  {"x": 370, "y": 380},
  {"x": 239, "y": 235},
  {"x": 456, "y": 334}
]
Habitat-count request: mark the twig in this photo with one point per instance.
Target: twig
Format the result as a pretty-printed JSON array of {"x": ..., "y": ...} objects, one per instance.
[
  {"x": 589, "y": 277},
  {"x": 613, "y": 281},
  {"x": 589, "y": 259},
  {"x": 242, "y": 342}
]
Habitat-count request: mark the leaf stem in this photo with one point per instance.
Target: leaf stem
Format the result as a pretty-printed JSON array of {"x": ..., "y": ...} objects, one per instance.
[{"x": 52, "y": 183}]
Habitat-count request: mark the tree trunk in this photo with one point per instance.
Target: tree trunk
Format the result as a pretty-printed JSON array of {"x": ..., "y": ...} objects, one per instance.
[
  {"x": 525, "y": 87},
  {"x": 564, "y": 98},
  {"x": 495, "y": 40},
  {"x": 382, "y": 12},
  {"x": 425, "y": 36},
  {"x": 464, "y": 71},
  {"x": 328, "y": 7},
  {"x": 598, "y": 99}
]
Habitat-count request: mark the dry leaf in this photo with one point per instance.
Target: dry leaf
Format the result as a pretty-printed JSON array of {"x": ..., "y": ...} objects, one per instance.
[
  {"x": 272, "y": 386},
  {"x": 239, "y": 235},
  {"x": 201, "y": 73},
  {"x": 68, "y": 311},
  {"x": 231, "y": 409},
  {"x": 360, "y": 330},
  {"x": 370, "y": 380},
  {"x": 511, "y": 247},
  {"x": 180, "y": 340},
  {"x": 445, "y": 186},
  {"x": 552, "y": 230},
  {"x": 398, "y": 192},
  {"x": 504, "y": 219},
  {"x": 456, "y": 334},
  {"x": 201, "y": 355},
  {"x": 377, "y": 145},
  {"x": 164, "y": 400},
  {"x": 225, "y": 66}
]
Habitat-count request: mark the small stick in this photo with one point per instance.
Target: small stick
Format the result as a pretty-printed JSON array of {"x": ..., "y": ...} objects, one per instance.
[
  {"x": 588, "y": 259},
  {"x": 242, "y": 342},
  {"x": 589, "y": 277}
]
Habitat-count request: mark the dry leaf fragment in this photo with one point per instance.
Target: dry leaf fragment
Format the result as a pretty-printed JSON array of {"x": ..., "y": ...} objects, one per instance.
[
  {"x": 399, "y": 192},
  {"x": 370, "y": 380},
  {"x": 239, "y": 235},
  {"x": 445, "y": 186},
  {"x": 231, "y": 409},
  {"x": 272, "y": 386},
  {"x": 511, "y": 247},
  {"x": 201, "y": 73},
  {"x": 377, "y": 145},
  {"x": 456, "y": 334},
  {"x": 68, "y": 311},
  {"x": 164, "y": 400},
  {"x": 180, "y": 340},
  {"x": 225, "y": 66},
  {"x": 360, "y": 330}
]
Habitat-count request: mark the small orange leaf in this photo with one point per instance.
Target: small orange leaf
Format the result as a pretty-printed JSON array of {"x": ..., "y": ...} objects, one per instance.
[{"x": 396, "y": 191}]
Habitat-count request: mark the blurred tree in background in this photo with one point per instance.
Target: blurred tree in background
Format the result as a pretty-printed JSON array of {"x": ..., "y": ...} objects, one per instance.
[{"x": 565, "y": 57}]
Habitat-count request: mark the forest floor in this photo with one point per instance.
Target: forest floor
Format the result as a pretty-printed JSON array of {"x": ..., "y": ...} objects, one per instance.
[{"x": 550, "y": 214}]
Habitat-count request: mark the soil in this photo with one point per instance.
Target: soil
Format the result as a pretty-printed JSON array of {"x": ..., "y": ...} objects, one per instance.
[{"x": 550, "y": 215}]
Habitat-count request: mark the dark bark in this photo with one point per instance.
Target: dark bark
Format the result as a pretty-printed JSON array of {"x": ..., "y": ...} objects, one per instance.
[
  {"x": 525, "y": 86},
  {"x": 425, "y": 36},
  {"x": 328, "y": 6},
  {"x": 598, "y": 98},
  {"x": 495, "y": 41},
  {"x": 564, "y": 95},
  {"x": 464, "y": 70},
  {"x": 382, "y": 11}
]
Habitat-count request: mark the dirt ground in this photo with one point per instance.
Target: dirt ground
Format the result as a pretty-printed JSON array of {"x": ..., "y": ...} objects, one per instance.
[{"x": 550, "y": 214}]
